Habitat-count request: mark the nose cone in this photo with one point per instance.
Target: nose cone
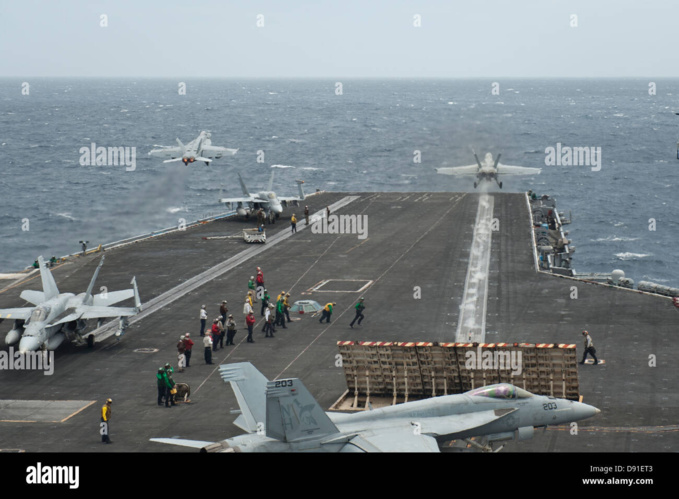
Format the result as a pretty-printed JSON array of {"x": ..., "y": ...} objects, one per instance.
[
  {"x": 29, "y": 344},
  {"x": 276, "y": 208},
  {"x": 583, "y": 411}
]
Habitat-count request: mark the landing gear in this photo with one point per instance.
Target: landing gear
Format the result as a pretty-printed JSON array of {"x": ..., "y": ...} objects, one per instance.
[
  {"x": 475, "y": 184},
  {"x": 90, "y": 341}
]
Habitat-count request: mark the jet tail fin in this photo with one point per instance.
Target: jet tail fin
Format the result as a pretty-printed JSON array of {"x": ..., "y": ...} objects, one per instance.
[
  {"x": 292, "y": 414},
  {"x": 88, "y": 294},
  {"x": 477, "y": 159},
  {"x": 249, "y": 387},
  {"x": 270, "y": 188},
  {"x": 301, "y": 189},
  {"x": 137, "y": 300},
  {"x": 242, "y": 185},
  {"x": 49, "y": 286},
  {"x": 497, "y": 161}
]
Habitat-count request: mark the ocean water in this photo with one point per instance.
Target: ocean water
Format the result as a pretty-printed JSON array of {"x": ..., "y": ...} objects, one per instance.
[{"x": 365, "y": 139}]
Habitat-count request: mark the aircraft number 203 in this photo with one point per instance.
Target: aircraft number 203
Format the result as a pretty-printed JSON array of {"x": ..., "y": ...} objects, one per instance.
[
  {"x": 549, "y": 406},
  {"x": 284, "y": 382}
]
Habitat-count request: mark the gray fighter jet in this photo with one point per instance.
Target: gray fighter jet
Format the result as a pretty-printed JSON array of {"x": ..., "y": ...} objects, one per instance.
[
  {"x": 199, "y": 149},
  {"x": 58, "y": 316},
  {"x": 488, "y": 170},
  {"x": 282, "y": 416},
  {"x": 267, "y": 200}
]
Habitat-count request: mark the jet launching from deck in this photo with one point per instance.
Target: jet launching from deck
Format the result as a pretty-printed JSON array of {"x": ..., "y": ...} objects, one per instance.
[{"x": 488, "y": 170}]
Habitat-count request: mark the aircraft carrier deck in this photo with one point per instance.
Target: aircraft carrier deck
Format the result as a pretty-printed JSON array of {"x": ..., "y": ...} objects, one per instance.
[{"x": 414, "y": 240}]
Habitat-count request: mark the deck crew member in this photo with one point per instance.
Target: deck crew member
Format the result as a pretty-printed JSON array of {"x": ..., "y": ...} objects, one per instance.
[
  {"x": 230, "y": 330},
  {"x": 169, "y": 386},
  {"x": 252, "y": 288},
  {"x": 265, "y": 301},
  {"x": 250, "y": 323},
  {"x": 327, "y": 312},
  {"x": 207, "y": 343},
  {"x": 589, "y": 348},
  {"x": 105, "y": 428},
  {"x": 268, "y": 321},
  {"x": 223, "y": 310},
  {"x": 286, "y": 306},
  {"x": 181, "y": 354},
  {"x": 203, "y": 319},
  {"x": 188, "y": 344},
  {"x": 280, "y": 308},
  {"x": 359, "y": 312},
  {"x": 160, "y": 381}
]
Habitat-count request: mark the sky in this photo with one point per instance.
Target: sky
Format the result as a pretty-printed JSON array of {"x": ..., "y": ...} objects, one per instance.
[{"x": 331, "y": 39}]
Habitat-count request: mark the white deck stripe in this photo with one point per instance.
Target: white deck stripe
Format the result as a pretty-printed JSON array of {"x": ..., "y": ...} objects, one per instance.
[{"x": 472, "y": 322}]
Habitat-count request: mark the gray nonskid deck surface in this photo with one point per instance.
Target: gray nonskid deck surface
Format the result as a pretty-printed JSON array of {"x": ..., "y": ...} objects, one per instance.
[{"x": 418, "y": 245}]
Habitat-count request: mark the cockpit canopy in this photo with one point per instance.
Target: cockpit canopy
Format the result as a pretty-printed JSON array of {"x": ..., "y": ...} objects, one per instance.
[
  {"x": 271, "y": 195},
  {"x": 39, "y": 314},
  {"x": 503, "y": 391}
]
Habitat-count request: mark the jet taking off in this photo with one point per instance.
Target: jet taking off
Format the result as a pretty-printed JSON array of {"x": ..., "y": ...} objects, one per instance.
[
  {"x": 58, "y": 316},
  {"x": 267, "y": 200},
  {"x": 488, "y": 170},
  {"x": 200, "y": 149},
  {"x": 294, "y": 422}
]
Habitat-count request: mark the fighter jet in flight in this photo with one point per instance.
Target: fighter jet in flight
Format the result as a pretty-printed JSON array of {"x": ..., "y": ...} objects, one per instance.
[
  {"x": 200, "y": 149},
  {"x": 58, "y": 316},
  {"x": 282, "y": 416},
  {"x": 488, "y": 170},
  {"x": 267, "y": 200}
]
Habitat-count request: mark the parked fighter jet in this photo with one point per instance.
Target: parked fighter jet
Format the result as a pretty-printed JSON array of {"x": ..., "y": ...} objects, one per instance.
[
  {"x": 488, "y": 170},
  {"x": 58, "y": 316},
  {"x": 293, "y": 420},
  {"x": 200, "y": 149},
  {"x": 267, "y": 200}
]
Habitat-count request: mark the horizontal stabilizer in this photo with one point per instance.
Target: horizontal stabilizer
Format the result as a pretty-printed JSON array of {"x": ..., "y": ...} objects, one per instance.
[
  {"x": 34, "y": 297},
  {"x": 107, "y": 312},
  {"x": 112, "y": 297},
  {"x": 194, "y": 444}
]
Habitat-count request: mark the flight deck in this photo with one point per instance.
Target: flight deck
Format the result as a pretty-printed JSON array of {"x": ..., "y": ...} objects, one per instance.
[{"x": 413, "y": 269}]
